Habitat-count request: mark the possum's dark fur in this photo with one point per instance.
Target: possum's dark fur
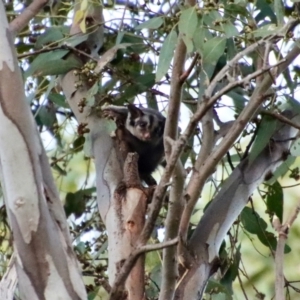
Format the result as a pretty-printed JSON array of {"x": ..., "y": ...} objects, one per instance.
[{"x": 143, "y": 133}]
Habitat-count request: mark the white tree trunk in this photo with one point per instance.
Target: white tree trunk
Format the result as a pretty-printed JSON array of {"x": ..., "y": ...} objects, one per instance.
[{"x": 45, "y": 262}]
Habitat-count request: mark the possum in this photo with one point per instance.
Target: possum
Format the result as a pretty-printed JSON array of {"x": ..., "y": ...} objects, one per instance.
[{"x": 143, "y": 133}]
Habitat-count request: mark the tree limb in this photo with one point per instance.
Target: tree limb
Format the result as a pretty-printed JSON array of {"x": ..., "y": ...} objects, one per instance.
[
  {"x": 130, "y": 261},
  {"x": 27, "y": 14}
]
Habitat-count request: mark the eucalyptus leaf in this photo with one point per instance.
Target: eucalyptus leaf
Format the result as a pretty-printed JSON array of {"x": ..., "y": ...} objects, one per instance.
[
  {"x": 265, "y": 30},
  {"x": 199, "y": 38},
  {"x": 51, "y": 35},
  {"x": 213, "y": 49},
  {"x": 275, "y": 200},
  {"x": 153, "y": 23},
  {"x": 52, "y": 63},
  {"x": 75, "y": 202},
  {"x": 237, "y": 8},
  {"x": 252, "y": 222},
  {"x": 166, "y": 55},
  {"x": 265, "y": 11},
  {"x": 266, "y": 129},
  {"x": 214, "y": 287},
  {"x": 279, "y": 11},
  {"x": 46, "y": 116},
  {"x": 229, "y": 29},
  {"x": 108, "y": 56},
  {"x": 188, "y": 22},
  {"x": 59, "y": 100},
  {"x": 282, "y": 169}
]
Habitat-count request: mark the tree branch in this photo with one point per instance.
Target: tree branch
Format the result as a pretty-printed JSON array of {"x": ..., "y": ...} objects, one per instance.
[
  {"x": 170, "y": 266},
  {"x": 282, "y": 231},
  {"x": 28, "y": 13},
  {"x": 187, "y": 73},
  {"x": 208, "y": 165},
  {"x": 130, "y": 261}
]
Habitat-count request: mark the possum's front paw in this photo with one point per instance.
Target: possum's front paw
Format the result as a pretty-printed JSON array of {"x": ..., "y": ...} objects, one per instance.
[{"x": 109, "y": 114}]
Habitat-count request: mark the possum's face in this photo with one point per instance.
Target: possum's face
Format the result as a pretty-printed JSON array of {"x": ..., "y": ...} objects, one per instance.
[{"x": 145, "y": 124}]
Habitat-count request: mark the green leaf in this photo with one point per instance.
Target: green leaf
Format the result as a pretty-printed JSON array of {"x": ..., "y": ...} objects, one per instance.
[
  {"x": 166, "y": 55},
  {"x": 279, "y": 11},
  {"x": 265, "y": 30},
  {"x": 108, "y": 56},
  {"x": 76, "y": 39},
  {"x": 188, "y": 43},
  {"x": 59, "y": 100},
  {"x": 252, "y": 222},
  {"x": 188, "y": 22},
  {"x": 58, "y": 169},
  {"x": 211, "y": 18},
  {"x": 62, "y": 66},
  {"x": 142, "y": 83},
  {"x": 213, "y": 49},
  {"x": 238, "y": 99},
  {"x": 46, "y": 116},
  {"x": 52, "y": 63},
  {"x": 153, "y": 23},
  {"x": 155, "y": 282},
  {"x": 229, "y": 29},
  {"x": 232, "y": 271},
  {"x": 275, "y": 200},
  {"x": 80, "y": 247},
  {"x": 137, "y": 42},
  {"x": 199, "y": 38},
  {"x": 231, "y": 48},
  {"x": 266, "y": 129},
  {"x": 214, "y": 287},
  {"x": 237, "y": 8},
  {"x": 268, "y": 239},
  {"x": 41, "y": 59},
  {"x": 75, "y": 202},
  {"x": 287, "y": 249},
  {"x": 51, "y": 35},
  {"x": 282, "y": 169},
  {"x": 78, "y": 144},
  {"x": 92, "y": 295},
  {"x": 265, "y": 11}
]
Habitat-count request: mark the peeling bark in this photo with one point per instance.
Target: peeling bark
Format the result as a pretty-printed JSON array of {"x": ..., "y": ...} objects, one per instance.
[{"x": 44, "y": 256}]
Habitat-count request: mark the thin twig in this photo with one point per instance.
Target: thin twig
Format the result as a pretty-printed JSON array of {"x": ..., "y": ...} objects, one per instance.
[
  {"x": 61, "y": 47},
  {"x": 281, "y": 118},
  {"x": 243, "y": 81},
  {"x": 187, "y": 73}
]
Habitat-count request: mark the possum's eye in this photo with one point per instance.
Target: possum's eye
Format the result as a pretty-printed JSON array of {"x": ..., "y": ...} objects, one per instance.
[{"x": 142, "y": 124}]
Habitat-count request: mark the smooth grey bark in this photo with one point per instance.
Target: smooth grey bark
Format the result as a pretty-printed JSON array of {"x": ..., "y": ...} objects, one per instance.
[
  {"x": 122, "y": 207},
  {"x": 206, "y": 240},
  {"x": 45, "y": 262}
]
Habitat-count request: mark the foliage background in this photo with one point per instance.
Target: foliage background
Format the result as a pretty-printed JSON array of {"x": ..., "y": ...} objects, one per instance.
[{"x": 137, "y": 74}]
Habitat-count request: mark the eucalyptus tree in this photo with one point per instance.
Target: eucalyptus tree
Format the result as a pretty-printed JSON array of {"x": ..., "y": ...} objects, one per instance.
[{"x": 225, "y": 76}]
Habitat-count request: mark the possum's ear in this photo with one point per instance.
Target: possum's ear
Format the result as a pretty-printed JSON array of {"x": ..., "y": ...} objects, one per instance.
[{"x": 134, "y": 111}]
